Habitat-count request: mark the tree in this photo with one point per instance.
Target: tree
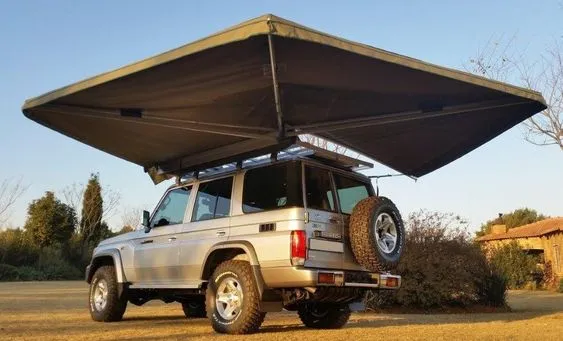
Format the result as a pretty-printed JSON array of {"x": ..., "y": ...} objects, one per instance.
[
  {"x": 323, "y": 143},
  {"x": 514, "y": 264},
  {"x": 500, "y": 61},
  {"x": 130, "y": 218},
  {"x": 92, "y": 211},
  {"x": 17, "y": 248},
  {"x": 441, "y": 266},
  {"x": 10, "y": 191},
  {"x": 125, "y": 229},
  {"x": 50, "y": 221},
  {"x": 76, "y": 196},
  {"x": 518, "y": 217}
]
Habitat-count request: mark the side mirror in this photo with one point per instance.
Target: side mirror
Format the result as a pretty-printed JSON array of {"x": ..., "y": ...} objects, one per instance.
[{"x": 146, "y": 224}]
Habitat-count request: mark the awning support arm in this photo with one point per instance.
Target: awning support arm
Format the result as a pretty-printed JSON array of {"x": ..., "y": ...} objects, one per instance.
[
  {"x": 281, "y": 127},
  {"x": 398, "y": 117},
  {"x": 219, "y": 129}
]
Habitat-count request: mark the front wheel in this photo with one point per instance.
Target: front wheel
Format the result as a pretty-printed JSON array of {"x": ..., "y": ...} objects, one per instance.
[
  {"x": 232, "y": 301},
  {"x": 324, "y": 316},
  {"x": 106, "y": 305}
]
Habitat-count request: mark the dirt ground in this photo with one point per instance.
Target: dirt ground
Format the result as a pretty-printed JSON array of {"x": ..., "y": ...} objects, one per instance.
[{"x": 57, "y": 311}]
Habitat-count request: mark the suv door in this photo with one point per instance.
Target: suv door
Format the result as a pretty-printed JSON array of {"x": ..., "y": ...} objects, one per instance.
[
  {"x": 156, "y": 252},
  {"x": 349, "y": 191},
  {"x": 210, "y": 221},
  {"x": 325, "y": 224}
]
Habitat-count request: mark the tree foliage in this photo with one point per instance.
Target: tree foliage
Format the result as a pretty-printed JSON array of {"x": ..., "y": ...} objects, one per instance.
[
  {"x": 518, "y": 217},
  {"x": 49, "y": 221},
  {"x": 499, "y": 60},
  {"x": 85, "y": 199},
  {"x": 130, "y": 218},
  {"x": 17, "y": 247},
  {"x": 52, "y": 245},
  {"x": 91, "y": 228},
  {"x": 517, "y": 267},
  {"x": 10, "y": 191}
]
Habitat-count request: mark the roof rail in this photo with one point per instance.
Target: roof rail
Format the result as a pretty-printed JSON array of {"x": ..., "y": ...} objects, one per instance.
[{"x": 299, "y": 150}]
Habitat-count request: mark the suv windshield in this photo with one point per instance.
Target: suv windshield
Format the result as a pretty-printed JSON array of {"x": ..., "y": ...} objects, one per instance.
[
  {"x": 172, "y": 208},
  {"x": 272, "y": 187},
  {"x": 350, "y": 192}
]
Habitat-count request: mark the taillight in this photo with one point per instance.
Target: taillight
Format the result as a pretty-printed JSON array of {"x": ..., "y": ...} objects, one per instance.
[
  {"x": 298, "y": 247},
  {"x": 392, "y": 282}
]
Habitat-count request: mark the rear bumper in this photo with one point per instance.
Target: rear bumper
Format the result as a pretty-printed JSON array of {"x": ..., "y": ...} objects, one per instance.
[{"x": 293, "y": 277}]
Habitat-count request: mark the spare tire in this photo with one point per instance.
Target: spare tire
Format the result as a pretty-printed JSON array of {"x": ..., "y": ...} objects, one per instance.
[{"x": 377, "y": 234}]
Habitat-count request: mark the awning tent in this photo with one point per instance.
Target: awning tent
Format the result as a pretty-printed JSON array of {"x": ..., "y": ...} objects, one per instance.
[{"x": 219, "y": 98}]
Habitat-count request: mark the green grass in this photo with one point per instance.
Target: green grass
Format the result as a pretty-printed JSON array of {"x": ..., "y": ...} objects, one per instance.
[{"x": 58, "y": 311}]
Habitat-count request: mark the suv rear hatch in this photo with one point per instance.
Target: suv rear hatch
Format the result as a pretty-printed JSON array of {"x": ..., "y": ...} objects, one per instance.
[{"x": 330, "y": 196}]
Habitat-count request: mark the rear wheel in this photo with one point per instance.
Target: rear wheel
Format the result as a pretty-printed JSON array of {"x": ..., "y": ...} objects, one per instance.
[
  {"x": 194, "y": 308},
  {"x": 324, "y": 315},
  {"x": 232, "y": 301},
  {"x": 105, "y": 302}
]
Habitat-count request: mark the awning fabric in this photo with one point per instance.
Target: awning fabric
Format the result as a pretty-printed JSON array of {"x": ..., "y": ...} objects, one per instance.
[{"x": 214, "y": 100}]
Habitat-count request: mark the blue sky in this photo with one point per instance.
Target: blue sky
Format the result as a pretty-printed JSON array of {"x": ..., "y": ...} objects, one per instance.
[{"x": 48, "y": 44}]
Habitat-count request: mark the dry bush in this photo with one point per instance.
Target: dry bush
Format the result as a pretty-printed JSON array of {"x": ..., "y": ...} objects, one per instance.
[{"x": 441, "y": 267}]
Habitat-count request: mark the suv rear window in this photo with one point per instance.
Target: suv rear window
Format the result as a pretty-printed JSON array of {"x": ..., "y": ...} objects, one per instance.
[
  {"x": 350, "y": 192},
  {"x": 213, "y": 199},
  {"x": 319, "y": 189},
  {"x": 272, "y": 187}
]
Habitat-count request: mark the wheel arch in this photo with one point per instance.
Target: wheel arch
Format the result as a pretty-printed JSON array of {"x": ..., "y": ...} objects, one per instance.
[
  {"x": 106, "y": 257},
  {"x": 229, "y": 250}
]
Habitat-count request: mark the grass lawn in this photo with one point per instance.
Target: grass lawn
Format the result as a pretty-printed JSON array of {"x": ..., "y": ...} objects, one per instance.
[{"x": 58, "y": 311}]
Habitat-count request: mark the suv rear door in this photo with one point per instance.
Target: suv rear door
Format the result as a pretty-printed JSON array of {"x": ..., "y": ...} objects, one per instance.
[
  {"x": 325, "y": 225},
  {"x": 349, "y": 191},
  {"x": 209, "y": 225}
]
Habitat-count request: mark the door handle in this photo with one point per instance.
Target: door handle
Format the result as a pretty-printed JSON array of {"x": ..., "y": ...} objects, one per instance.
[
  {"x": 171, "y": 239},
  {"x": 147, "y": 241},
  {"x": 221, "y": 233},
  {"x": 333, "y": 220}
]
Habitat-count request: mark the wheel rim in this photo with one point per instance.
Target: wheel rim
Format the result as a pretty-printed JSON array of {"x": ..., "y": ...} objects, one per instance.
[
  {"x": 385, "y": 233},
  {"x": 100, "y": 295},
  {"x": 318, "y": 312},
  {"x": 228, "y": 299}
]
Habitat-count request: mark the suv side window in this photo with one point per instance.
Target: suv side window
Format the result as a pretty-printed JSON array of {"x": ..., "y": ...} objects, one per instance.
[
  {"x": 272, "y": 187},
  {"x": 172, "y": 208},
  {"x": 319, "y": 189},
  {"x": 350, "y": 192},
  {"x": 213, "y": 199}
]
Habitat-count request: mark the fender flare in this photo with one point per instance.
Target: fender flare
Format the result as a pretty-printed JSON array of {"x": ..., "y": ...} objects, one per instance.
[
  {"x": 116, "y": 256},
  {"x": 253, "y": 260}
]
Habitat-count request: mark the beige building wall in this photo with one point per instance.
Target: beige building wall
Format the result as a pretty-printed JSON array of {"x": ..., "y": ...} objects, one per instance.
[{"x": 553, "y": 251}]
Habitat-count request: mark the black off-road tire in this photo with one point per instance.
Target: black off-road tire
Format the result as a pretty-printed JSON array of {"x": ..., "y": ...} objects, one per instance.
[
  {"x": 250, "y": 317},
  {"x": 195, "y": 308},
  {"x": 324, "y": 315},
  {"x": 116, "y": 304},
  {"x": 362, "y": 234}
]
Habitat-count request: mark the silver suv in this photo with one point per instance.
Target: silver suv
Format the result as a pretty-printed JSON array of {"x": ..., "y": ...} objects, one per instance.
[{"x": 306, "y": 233}]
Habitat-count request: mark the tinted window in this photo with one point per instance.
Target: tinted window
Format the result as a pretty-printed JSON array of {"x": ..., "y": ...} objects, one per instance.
[
  {"x": 213, "y": 199},
  {"x": 272, "y": 187},
  {"x": 350, "y": 192},
  {"x": 172, "y": 208},
  {"x": 319, "y": 189}
]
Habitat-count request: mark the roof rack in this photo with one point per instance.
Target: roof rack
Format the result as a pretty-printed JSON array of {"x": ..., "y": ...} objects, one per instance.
[{"x": 298, "y": 150}]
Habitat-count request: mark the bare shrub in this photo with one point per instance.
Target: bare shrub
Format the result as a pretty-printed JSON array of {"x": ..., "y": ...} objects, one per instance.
[{"x": 441, "y": 267}]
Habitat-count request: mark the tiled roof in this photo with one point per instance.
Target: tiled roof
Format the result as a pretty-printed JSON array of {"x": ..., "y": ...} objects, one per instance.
[{"x": 536, "y": 229}]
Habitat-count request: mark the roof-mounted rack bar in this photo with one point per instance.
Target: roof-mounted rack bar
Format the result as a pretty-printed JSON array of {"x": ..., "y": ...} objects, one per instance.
[{"x": 298, "y": 150}]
